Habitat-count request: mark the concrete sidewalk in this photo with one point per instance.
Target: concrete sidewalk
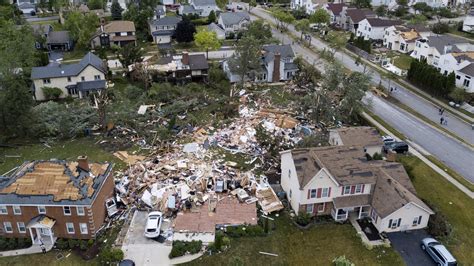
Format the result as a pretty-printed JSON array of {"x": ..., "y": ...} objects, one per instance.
[
  {"x": 34, "y": 249},
  {"x": 418, "y": 154}
]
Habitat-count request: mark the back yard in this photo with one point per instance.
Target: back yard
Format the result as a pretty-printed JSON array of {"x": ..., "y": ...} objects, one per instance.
[{"x": 316, "y": 246}]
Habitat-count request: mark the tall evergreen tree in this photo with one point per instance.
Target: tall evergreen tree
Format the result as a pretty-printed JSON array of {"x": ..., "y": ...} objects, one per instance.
[
  {"x": 185, "y": 31},
  {"x": 116, "y": 10}
]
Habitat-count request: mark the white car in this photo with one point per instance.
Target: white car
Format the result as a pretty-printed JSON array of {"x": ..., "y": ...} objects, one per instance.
[
  {"x": 153, "y": 224},
  {"x": 438, "y": 252},
  {"x": 388, "y": 139}
]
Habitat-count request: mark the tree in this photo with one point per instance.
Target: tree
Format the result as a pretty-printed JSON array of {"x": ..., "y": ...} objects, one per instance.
[
  {"x": 52, "y": 93},
  {"x": 116, "y": 10},
  {"x": 458, "y": 95},
  {"x": 303, "y": 26},
  {"x": 206, "y": 40},
  {"x": 252, "y": 4},
  {"x": 212, "y": 17},
  {"x": 95, "y": 4},
  {"x": 440, "y": 28},
  {"x": 381, "y": 11},
  {"x": 421, "y": 7},
  {"x": 402, "y": 2},
  {"x": 283, "y": 18},
  {"x": 185, "y": 31},
  {"x": 300, "y": 13},
  {"x": 140, "y": 17},
  {"x": 362, "y": 3},
  {"x": 246, "y": 59},
  {"x": 320, "y": 17},
  {"x": 418, "y": 20},
  {"x": 82, "y": 27},
  {"x": 129, "y": 55},
  {"x": 259, "y": 30}
]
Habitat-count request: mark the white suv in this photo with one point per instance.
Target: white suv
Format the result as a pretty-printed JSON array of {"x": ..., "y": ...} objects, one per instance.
[
  {"x": 153, "y": 224},
  {"x": 438, "y": 252}
]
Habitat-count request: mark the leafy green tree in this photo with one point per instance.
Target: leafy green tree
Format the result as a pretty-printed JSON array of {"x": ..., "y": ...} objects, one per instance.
[
  {"x": 440, "y": 28},
  {"x": 52, "y": 93},
  {"x": 212, "y": 17},
  {"x": 283, "y": 18},
  {"x": 300, "y": 13},
  {"x": 320, "y": 17},
  {"x": 422, "y": 7},
  {"x": 95, "y": 4},
  {"x": 140, "y": 17},
  {"x": 381, "y": 10},
  {"x": 362, "y": 3},
  {"x": 82, "y": 27},
  {"x": 259, "y": 30},
  {"x": 418, "y": 19},
  {"x": 116, "y": 10},
  {"x": 207, "y": 40},
  {"x": 246, "y": 59},
  {"x": 252, "y": 4},
  {"x": 185, "y": 31},
  {"x": 303, "y": 26},
  {"x": 129, "y": 54}
]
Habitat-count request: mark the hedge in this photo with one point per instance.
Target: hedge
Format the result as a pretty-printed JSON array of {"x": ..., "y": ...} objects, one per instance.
[{"x": 180, "y": 248}]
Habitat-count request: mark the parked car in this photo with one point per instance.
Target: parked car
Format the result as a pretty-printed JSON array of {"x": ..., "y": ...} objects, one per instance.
[
  {"x": 153, "y": 224},
  {"x": 438, "y": 252},
  {"x": 387, "y": 139},
  {"x": 396, "y": 146},
  {"x": 126, "y": 262}
]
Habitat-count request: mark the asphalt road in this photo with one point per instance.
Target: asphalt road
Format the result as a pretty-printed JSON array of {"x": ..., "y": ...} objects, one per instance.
[
  {"x": 454, "y": 154},
  {"x": 405, "y": 96}
]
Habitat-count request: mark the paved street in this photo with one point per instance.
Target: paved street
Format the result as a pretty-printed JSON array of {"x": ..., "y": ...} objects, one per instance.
[{"x": 446, "y": 149}]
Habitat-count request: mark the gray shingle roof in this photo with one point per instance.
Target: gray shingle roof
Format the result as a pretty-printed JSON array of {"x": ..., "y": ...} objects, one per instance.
[
  {"x": 58, "y": 37},
  {"x": 468, "y": 70},
  {"x": 91, "y": 85},
  {"x": 358, "y": 15},
  {"x": 214, "y": 27},
  {"x": 284, "y": 50},
  {"x": 166, "y": 21},
  {"x": 188, "y": 9},
  {"x": 197, "y": 62},
  {"x": 232, "y": 18},
  {"x": 57, "y": 70},
  {"x": 440, "y": 41},
  {"x": 377, "y": 22},
  {"x": 204, "y": 2}
]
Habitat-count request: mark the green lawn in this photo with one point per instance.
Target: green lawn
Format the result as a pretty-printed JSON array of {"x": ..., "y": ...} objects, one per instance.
[
  {"x": 402, "y": 61},
  {"x": 450, "y": 201},
  {"x": 316, "y": 246},
  {"x": 68, "y": 150},
  {"x": 47, "y": 259}
]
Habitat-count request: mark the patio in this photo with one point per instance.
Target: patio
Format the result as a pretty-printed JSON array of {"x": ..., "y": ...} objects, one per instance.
[{"x": 368, "y": 233}]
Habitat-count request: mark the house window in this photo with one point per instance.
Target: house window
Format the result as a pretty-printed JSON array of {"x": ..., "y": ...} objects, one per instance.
[
  {"x": 69, "y": 79},
  {"x": 3, "y": 209},
  {"x": 347, "y": 190},
  {"x": 325, "y": 193},
  {"x": 21, "y": 227},
  {"x": 321, "y": 207},
  {"x": 67, "y": 210},
  {"x": 289, "y": 173},
  {"x": 41, "y": 209},
  {"x": 466, "y": 82},
  {"x": 80, "y": 211},
  {"x": 358, "y": 189},
  {"x": 417, "y": 220},
  {"x": 8, "y": 227},
  {"x": 458, "y": 77},
  {"x": 97, "y": 77},
  {"x": 290, "y": 194},
  {"x": 83, "y": 228},
  {"x": 16, "y": 210},
  {"x": 46, "y": 81},
  {"x": 83, "y": 78},
  {"x": 309, "y": 208},
  {"x": 394, "y": 223},
  {"x": 312, "y": 193},
  {"x": 72, "y": 91},
  {"x": 70, "y": 228}
]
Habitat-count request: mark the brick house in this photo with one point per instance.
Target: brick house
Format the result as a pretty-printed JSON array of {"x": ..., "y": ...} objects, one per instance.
[{"x": 46, "y": 200}]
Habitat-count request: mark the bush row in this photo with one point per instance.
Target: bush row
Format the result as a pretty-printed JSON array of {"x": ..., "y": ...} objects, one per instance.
[
  {"x": 73, "y": 243},
  {"x": 180, "y": 248},
  {"x": 14, "y": 243}
]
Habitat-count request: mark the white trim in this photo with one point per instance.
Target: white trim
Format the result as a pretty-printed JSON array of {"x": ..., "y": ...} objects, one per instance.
[
  {"x": 72, "y": 226},
  {"x": 83, "y": 211},
  {"x": 70, "y": 211},
  {"x": 24, "y": 227},
  {"x": 5, "y": 227},
  {"x": 3, "y": 207},
  {"x": 312, "y": 208},
  {"x": 86, "y": 228},
  {"x": 39, "y": 211},
  {"x": 324, "y": 207},
  {"x": 14, "y": 209}
]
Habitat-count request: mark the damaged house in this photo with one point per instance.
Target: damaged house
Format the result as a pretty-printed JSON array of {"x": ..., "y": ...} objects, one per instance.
[
  {"x": 367, "y": 138},
  {"x": 183, "y": 68},
  {"x": 276, "y": 65},
  {"x": 340, "y": 181},
  {"x": 46, "y": 200}
]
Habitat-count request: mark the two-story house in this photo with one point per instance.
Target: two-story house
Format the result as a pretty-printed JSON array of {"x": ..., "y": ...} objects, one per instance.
[
  {"x": 183, "y": 68},
  {"x": 465, "y": 77},
  {"x": 432, "y": 47},
  {"x": 59, "y": 40},
  {"x": 233, "y": 22},
  {"x": 276, "y": 65},
  {"x": 403, "y": 38},
  {"x": 162, "y": 30},
  {"x": 334, "y": 10},
  {"x": 468, "y": 23},
  {"x": 374, "y": 28},
  {"x": 201, "y": 8},
  {"x": 351, "y": 17},
  {"x": 340, "y": 182},
  {"x": 116, "y": 32},
  {"x": 75, "y": 80},
  {"x": 46, "y": 200},
  {"x": 310, "y": 6},
  {"x": 367, "y": 138}
]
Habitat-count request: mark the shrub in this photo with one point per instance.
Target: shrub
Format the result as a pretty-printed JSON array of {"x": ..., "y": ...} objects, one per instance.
[
  {"x": 12, "y": 243},
  {"x": 62, "y": 243},
  {"x": 218, "y": 240},
  {"x": 303, "y": 218},
  {"x": 180, "y": 248},
  {"x": 90, "y": 242},
  {"x": 225, "y": 241},
  {"x": 440, "y": 28},
  {"x": 110, "y": 255},
  {"x": 83, "y": 244},
  {"x": 3, "y": 243},
  {"x": 342, "y": 261},
  {"x": 72, "y": 243},
  {"x": 377, "y": 156},
  {"x": 438, "y": 226},
  {"x": 52, "y": 92}
]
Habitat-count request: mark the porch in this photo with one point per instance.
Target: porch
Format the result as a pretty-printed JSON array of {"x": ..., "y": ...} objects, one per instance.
[
  {"x": 351, "y": 206},
  {"x": 41, "y": 231}
]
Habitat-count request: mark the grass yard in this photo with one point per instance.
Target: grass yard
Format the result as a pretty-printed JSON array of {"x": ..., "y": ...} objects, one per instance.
[
  {"x": 402, "y": 61},
  {"x": 447, "y": 199},
  {"x": 316, "y": 246},
  {"x": 68, "y": 150},
  {"x": 47, "y": 259}
]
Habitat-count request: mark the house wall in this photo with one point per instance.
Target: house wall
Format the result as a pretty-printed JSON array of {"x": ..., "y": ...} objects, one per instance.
[
  {"x": 321, "y": 180},
  {"x": 88, "y": 73},
  {"x": 423, "y": 50},
  {"x": 162, "y": 39},
  {"x": 463, "y": 79},
  {"x": 369, "y": 32},
  {"x": 98, "y": 210},
  {"x": 407, "y": 213},
  {"x": 335, "y": 138},
  {"x": 289, "y": 180},
  {"x": 371, "y": 150}
]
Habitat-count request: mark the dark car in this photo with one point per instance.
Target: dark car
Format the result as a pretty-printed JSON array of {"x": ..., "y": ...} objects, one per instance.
[
  {"x": 397, "y": 146},
  {"x": 126, "y": 263}
]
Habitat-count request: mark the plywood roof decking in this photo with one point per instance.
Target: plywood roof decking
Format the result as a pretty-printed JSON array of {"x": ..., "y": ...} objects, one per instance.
[{"x": 54, "y": 178}]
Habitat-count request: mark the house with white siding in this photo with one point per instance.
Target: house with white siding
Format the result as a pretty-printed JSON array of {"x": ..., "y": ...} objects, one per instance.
[
  {"x": 432, "y": 47},
  {"x": 367, "y": 138},
  {"x": 340, "y": 181},
  {"x": 233, "y": 22},
  {"x": 75, "y": 80},
  {"x": 334, "y": 10},
  {"x": 402, "y": 38},
  {"x": 374, "y": 28}
]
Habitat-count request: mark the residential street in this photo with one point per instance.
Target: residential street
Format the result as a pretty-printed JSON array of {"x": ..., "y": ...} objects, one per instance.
[{"x": 445, "y": 148}]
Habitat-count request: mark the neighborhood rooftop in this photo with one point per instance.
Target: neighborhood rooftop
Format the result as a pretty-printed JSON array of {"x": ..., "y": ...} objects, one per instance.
[
  {"x": 119, "y": 26},
  {"x": 55, "y": 70},
  {"x": 53, "y": 182},
  {"x": 166, "y": 21},
  {"x": 232, "y": 18},
  {"x": 357, "y": 15},
  {"x": 359, "y": 136},
  {"x": 336, "y": 8},
  {"x": 58, "y": 37},
  {"x": 377, "y": 22},
  {"x": 440, "y": 41}
]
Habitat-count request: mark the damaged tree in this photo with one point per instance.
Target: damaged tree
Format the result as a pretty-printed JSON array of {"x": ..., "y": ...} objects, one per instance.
[{"x": 246, "y": 60}]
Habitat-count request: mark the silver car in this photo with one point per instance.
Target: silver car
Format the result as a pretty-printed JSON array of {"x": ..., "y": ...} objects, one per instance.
[{"x": 438, "y": 252}]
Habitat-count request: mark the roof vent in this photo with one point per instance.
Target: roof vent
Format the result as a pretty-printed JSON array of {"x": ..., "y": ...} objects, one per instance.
[{"x": 62, "y": 71}]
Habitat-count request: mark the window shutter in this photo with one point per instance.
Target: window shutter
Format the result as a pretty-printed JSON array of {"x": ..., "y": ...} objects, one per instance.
[
  {"x": 329, "y": 193},
  {"x": 363, "y": 186},
  {"x": 399, "y": 222},
  {"x": 419, "y": 219},
  {"x": 319, "y": 193},
  {"x": 353, "y": 189},
  {"x": 309, "y": 193},
  {"x": 390, "y": 223},
  {"x": 342, "y": 191}
]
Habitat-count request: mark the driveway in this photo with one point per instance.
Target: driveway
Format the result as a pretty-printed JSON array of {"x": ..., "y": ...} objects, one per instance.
[
  {"x": 141, "y": 250},
  {"x": 407, "y": 244}
]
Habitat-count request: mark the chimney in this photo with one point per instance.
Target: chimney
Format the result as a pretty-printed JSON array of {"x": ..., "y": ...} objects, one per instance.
[
  {"x": 83, "y": 164},
  {"x": 276, "y": 68},
  {"x": 102, "y": 24},
  {"x": 185, "y": 59}
]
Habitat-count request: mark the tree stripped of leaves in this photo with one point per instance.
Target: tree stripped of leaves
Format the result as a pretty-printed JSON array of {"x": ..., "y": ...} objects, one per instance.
[
  {"x": 246, "y": 59},
  {"x": 207, "y": 40}
]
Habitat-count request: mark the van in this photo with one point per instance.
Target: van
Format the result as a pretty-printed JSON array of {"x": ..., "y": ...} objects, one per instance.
[{"x": 438, "y": 252}]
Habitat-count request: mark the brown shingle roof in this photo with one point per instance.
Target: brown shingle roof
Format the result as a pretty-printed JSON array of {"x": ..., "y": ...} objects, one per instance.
[
  {"x": 377, "y": 22},
  {"x": 359, "y": 136},
  {"x": 119, "y": 26},
  {"x": 335, "y": 8},
  {"x": 351, "y": 201},
  {"x": 358, "y": 15}
]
